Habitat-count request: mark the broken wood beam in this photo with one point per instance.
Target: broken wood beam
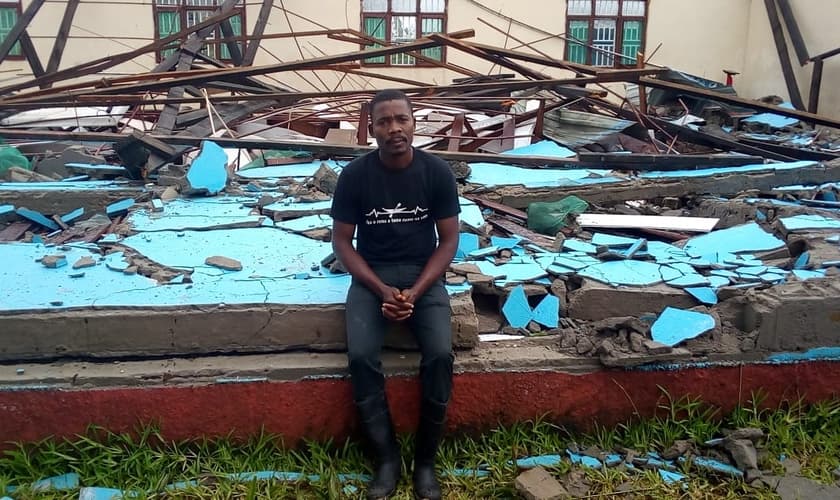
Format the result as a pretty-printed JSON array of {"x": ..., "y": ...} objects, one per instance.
[
  {"x": 232, "y": 45},
  {"x": 61, "y": 36},
  {"x": 28, "y": 49},
  {"x": 784, "y": 56},
  {"x": 740, "y": 101},
  {"x": 500, "y": 60},
  {"x": 826, "y": 55},
  {"x": 793, "y": 30},
  {"x": 816, "y": 87},
  {"x": 457, "y": 129},
  {"x": 663, "y": 162},
  {"x": 498, "y": 207}
]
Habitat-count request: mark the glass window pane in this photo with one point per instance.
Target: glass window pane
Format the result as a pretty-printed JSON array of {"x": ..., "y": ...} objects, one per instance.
[
  {"x": 404, "y": 5},
  {"x": 631, "y": 42},
  {"x": 374, "y": 5},
  {"x": 606, "y": 7},
  {"x": 375, "y": 27},
  {"x": 403, "y": 29},
  {"x": 603, "y": 37},
  {"x": 579, "y": 8},
  {"x": 435, "y": 6},
  {"x": 432, "y": 25},
  {"x": 633, "y": 8},
  {"x": 168, "y": 2},
  {"x": 578, "y": 30},
  {"x": 402, "y": 60},
  {"x": 8, "y": 19}
]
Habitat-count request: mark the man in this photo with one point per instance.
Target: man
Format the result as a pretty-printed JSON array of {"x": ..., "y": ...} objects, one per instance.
[{"x": 394, "y": 199}]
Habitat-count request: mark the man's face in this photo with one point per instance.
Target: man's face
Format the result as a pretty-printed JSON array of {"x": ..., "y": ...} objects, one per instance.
[{"x": 393, "y": 126}]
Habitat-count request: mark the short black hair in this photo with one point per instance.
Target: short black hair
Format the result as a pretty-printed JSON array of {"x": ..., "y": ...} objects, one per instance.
[{"x": 389, "y": 95}]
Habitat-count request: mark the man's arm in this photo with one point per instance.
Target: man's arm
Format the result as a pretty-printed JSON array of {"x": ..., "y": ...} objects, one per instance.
[
  {"x": 393, "y": 306},
  {"x": 439, "y": 261}
]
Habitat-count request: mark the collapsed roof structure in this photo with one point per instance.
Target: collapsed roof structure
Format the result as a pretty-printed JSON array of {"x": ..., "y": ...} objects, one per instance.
[{"x": 632, "y": 216}]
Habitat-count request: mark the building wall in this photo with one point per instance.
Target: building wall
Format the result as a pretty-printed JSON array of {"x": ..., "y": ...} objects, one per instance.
[{"x": 701, "y": 37}]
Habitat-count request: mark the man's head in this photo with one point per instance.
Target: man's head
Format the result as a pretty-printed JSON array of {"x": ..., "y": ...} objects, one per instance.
[{"x": 392, "y": 124}]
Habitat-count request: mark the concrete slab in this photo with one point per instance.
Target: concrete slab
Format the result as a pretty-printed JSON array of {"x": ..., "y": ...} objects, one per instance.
[
  {"x": 225, "y": 212},
  {"x": 595, "y": 301}
]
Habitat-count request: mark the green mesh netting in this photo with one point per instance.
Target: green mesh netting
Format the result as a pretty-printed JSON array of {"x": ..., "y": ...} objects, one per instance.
[
  {"x": 550, "y": 217},
  {"x": 11, "y": 157}
]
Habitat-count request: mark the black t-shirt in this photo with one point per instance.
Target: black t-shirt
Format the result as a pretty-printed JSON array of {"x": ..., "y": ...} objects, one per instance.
[{"x": 395, "y": 210}]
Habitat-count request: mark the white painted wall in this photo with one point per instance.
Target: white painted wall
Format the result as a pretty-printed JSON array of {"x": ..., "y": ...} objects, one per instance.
[{"x": 702, "y": 37}]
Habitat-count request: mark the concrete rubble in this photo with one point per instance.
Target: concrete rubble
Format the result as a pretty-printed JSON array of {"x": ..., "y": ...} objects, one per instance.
[{"x": 703, "y": 228}]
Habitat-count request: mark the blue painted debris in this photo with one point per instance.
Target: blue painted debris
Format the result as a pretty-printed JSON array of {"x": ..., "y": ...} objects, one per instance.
[
  {"x": 306, "y": 223},
  {"x": 744, "y": 238},
  {"x": 37, "y": 217},
  {"x": 547, "y": 312},
  {"x": 538, "y": 461},
  {"x": 470, "y": 214},
  {"x": 805, "y": 275},
  {"x": 116, "y": 261},
  {"x": 494, "y": 174},
  {"x": 75, "y": 178},
  {"x": 208, "y": 171},
  {"x": 816, "y": 354},
  {"x": 90, "y": 168},
  {"x": 579, "y": 246},
  {"x": 705, "y": 295},
  {"x": 608, "y": 240},
  {"x": 517, "y": 311},
  {"x": 305, "y": 169},
  {"x": 584, "y": 460},
  {"x": 809, "y": 222},
  {"x": 713, "y": 465},
  {"x": 624, "y": 272},
  {"x": 119, "y": 207},
  {"x": 94, "y": 493},
  {"x": 549, "y": 149},
  {"x": 63, "y": 482},
  {"x": 613, "y": 460},
  {"x": 676, "y": 325},
  {"x": 6, "y": 211},
  {"x": 516, "y": 271},
  {"x": 833, "y": 239},
  {"x": 157, "y": 205},
  {"x": 197, "y": 213},
  {"x": 73, "y": 216},
  {"x": 802, "y": 261},
  {"x": 504, "y": 243},
  {"x": 773, "y": 120},
  {"x": 474, "y": 473},
  {"x": 671, "y": 477},
  {"x": 689, "y": 281},
  {"x": 467, "y": 243}
]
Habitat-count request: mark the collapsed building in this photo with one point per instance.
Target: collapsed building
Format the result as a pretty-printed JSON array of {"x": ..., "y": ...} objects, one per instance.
[{"x": 166, "y": 241}]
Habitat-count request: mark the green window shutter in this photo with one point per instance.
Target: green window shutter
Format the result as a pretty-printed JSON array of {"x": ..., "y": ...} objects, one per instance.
[
  {"x": 236, "y": 25},
  {"x": 432, "y": 25},
  {"x": 375, "y": 27},
  {"x": 8, "y": 18},
  {"x": 169, "y": 22},
  {"x": 632, "y": 42},
  {"x": 577, "y": 53}
]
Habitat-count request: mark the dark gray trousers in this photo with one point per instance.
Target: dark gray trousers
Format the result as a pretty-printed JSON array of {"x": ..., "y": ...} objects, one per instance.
[{"x": 430, "y": 324}]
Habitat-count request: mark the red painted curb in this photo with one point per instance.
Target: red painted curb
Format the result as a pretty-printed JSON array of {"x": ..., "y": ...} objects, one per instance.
[{"x": 319, "y": 409}]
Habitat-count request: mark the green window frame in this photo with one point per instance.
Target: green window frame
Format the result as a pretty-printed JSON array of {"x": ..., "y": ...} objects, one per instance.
[
  {"x": 606, "y": 33},
  {"x": 402, "y": 21},
  {"x": 9, "y": 14},
  {"x": 171, "y": 16}
]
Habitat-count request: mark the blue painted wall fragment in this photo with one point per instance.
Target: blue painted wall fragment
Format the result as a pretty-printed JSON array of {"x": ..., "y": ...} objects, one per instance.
[
  {"x": 69, "y": 481},
  {"x": 504, "y": 243},
  {"x": 773, "y": 120},
  {"x": 547, "y": 312},
  {"x": 676, "y": 325},
  {"x": 119, "y": 207},
  {"x": 745, "y": 238},
  {"x": 705, "y": 295},
  {"x": 584, "y": 460},
  {"x": 73, "y": 216},
  {"x": 467, "y": 243},
  {"x": 517, "y": 311},
  {"x": 806, "y": 222},
  {"x": 579, "y": 246},
  {"x": 602, "y": 239},
  {"x": 96, "y": 493},
  {"x": 689, "y": 280},
  {"x": 208, "y": 172},
  {"x": 805, "y": 275},
  {"x": 624, "y": 272},
  {"x": 6, "y": 211},
  {"x": 671, "y": 477},
  {"x": 542, "y": 148},
  {"x": 802, "y": 261},
  {"x": 37, "y": 217},
  {"x": 538, "y": 461},
  {"x": 713, "y": 465},
  {"x": 819, "y": 353}
]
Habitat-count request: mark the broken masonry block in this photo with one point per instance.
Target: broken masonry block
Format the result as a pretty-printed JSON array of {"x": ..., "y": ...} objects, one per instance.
[
  {"x": 119, "y": 208},
  {"x": 225, "y": 263},
  {"x": 83, "y": 262},
  {"x": 208, "y": 172},
  {"x": 547, "y": 312},
  {"x": 465, "y": 269},
  {"x": 539, "y": 484},
  {"x": 37, "y": 217},
  {"x": 325, "y": 179},
  {"x": 54, "y": 261}
]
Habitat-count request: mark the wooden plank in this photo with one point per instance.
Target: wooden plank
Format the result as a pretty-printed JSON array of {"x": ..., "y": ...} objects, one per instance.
[
  {"x": 232, "y": 45},
  {"x": 259, "y": 29},
  {"x": 827, "y": 54},
  {"x": 498, "y": 207},
  {"x": 511, "y": 228},
  {"x": 61, "y": 36},
  {"x": 456, "y": 131},
  {"x": 32, "y": 58},
  {"x": 663, "y": 223},
  {"x": 784, "y": 56},
  {"x": 816, "y": 87},
  {"x": 662, "y": 161},
  {"x": 793, "y": 30},
  {"x": 740, "y": 101},
  {"x": 15, "y": 230},
  {"x": 500, "y": 60},
  {"x": 20, "y": 26}
]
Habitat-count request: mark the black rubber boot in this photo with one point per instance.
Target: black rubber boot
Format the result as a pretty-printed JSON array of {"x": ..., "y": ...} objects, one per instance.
[
  {"x": 379, "y": 430},
  {"x": 432, "y": 417}
]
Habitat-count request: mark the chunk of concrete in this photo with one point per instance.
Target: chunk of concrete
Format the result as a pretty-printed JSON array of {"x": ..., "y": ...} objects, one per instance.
[
  {"x": 547, "y": 312},
  {"x": 225, "y": 263},
  {"x": 208, "y": 172},
  {"x": 743, "y": 453},
  {"x": 84, "y": 262},
  {"x": 801, "y": 488},
  {"x": 119, "y": 208},
  {"x": 465, "y": 268},
  {"x": 594, "y": 301},
  {"x": 54, "y": 261},
  {"x": 539, "y": 484}
]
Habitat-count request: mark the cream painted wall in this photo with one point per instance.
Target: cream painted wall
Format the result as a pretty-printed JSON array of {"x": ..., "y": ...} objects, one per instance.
[{"x": 702, "y": 37}]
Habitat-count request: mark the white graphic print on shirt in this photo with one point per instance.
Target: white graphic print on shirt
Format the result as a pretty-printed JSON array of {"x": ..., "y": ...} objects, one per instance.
[{"x": 398, "y": 214}]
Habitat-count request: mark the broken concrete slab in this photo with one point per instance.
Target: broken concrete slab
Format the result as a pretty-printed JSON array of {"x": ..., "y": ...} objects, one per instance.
[
  {"x": 624, "y": 272},
  {"x": 676, "y": 325},
  {"x": 223, "y": 262},
  {"x": 37, "y": 218},
  {"x": 704, "y": 295},
  {"x": 547, "y": 312},
  {"x": 801, "y": 223},
  {"x": 223, "y": 212},
  {"x": 119, "y": 208},
  {"x": 801, "y": 488},
  {"x": 54, "y": 261},
  {"x": 594, "y": 301},
  {"x": 208, "y": 171},
  {"x": 745, "y": 238},
  {"x": 516, "y": 309},
  {"x": 539, "y": 484}
]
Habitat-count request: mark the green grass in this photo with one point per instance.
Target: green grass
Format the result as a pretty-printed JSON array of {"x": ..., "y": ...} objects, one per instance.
[{"x": 145, "y": 462}]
